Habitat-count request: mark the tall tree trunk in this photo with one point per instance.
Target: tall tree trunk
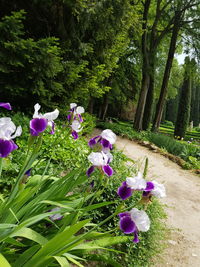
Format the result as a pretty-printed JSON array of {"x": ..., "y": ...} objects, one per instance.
[
  {"x": 145, "y": 72},
  {"x": 184, "y": 103},
  {"x": 105, "y": 104},
  {"x": 149, "y": 100},
  {"x": 91, "y": 105},
  {"x": 163, "y": 92}
]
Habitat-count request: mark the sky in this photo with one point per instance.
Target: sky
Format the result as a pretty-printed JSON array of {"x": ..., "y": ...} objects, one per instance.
[{"x": 180, "y": 58}]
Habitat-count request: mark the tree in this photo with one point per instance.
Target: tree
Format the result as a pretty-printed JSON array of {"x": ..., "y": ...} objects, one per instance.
[
  {"x": 185, "y": 100},
  {"x": 182, "y": 7}
]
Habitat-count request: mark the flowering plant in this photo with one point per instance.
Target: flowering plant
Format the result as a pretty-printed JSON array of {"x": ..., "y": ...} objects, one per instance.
[{"x": 44, "y": 216}]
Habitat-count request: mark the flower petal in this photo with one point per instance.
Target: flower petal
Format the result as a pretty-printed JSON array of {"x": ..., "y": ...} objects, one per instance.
[
  {"x": 141, "y": 219},
  {"x": 109, "y": 135},
  {"x": 92, "y": 142},
  {"x": 127, "y": 225},
  {"x": 38, "y": 125},
  {"x": 105, "y": 143},
  {"x": 5, "y": 105},
  {"x": 122, "y": 214},
  {"x": 90, "y": 171},
  {"x": 73, "y": 105},
  {"x": 159, "y": 190},
  {"x": 17, "y": 133},
  {"x": 69, "y": 117},
  {"x": 75, "y": 135},
  {"x": 124, "y": 191},
  {"x": 107, "y": 170},
  {"x": 136, "y": 239},
  {"x": 51, "y": 116},
  {"x": 80, "y": 110},
  {"x": 37, "y": 108},
  {"x": 6, "y": 147},
  {"x": 149, "y": 187}
]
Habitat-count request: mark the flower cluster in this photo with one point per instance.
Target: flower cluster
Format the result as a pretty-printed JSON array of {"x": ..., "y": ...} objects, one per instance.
[
  {"x": 136, "y": 220},
  {"x": 8, "y": 131},
  {"x": 101, "y": 159},
  {"x": 137, "y": 183},
  {"x": 133, "y": 222},
  {"x": 75, "y": 118},
  {"x": 40, "y": 121}
]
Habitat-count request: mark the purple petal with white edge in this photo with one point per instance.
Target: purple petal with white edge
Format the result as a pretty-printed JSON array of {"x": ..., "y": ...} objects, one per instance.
[
  {"x": 136, "y": 239},
  {"x": 38, "y": 125},
  {"x": 127, "y": 225},
  {"x": 124, "y": 191},
  {"x": 75, "y": 135},
  {"x": 5, "y": 105},
  {"x": 92, "y": 142},
  {"x": 6, "y": 147},
  {"x": 105, "y": 143},
  {"x": 107, "y": 170},
  {"x": 149, "y": 187},
  {"x": 90, "y": 171}
]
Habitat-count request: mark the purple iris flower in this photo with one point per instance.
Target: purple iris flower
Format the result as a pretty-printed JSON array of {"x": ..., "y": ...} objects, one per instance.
[
  {"x": 100, "y": 160},
  {"x": 76, "y": 118},
  {"x": 106, "y": 139},
  {"x": 131, "y": 184},
  {"x": 40, "y": 122},
  {"x": 8, "y": 131},
  {"x": 154, "y": 189},
  {"x": 5, "y": 105},
  {"x": 133, "y": 222},
  {"x": 57, "y": 216}
]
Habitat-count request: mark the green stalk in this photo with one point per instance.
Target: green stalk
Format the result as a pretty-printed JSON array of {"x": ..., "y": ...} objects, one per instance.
[{"x": 1, "y": 165}]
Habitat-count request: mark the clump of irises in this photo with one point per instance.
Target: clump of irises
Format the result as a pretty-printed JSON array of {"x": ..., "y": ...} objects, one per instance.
[
  {"x": 8, "y": 131},
  {"x": 136, "y": 220},
  {"x": 131, "y": 222},
  {"x": 75, "y": 119},
  {"x": 101, "y": 159}
]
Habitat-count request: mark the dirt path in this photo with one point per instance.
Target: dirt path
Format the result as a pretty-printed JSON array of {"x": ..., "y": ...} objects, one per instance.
[{"x": 183, "y": 201}]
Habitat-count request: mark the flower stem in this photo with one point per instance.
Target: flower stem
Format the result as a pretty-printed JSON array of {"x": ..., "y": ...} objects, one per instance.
[{"x": 1, "y": 165}]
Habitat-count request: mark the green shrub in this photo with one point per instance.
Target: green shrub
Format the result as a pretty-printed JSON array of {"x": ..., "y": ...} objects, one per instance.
[{"x": 168, "y": 123}]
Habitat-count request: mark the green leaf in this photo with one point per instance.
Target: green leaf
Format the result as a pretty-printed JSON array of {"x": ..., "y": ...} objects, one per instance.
[
  {"x": 74, "y": 261},
  {"x": 4, "y": 262},
  {"x": 62, "y": 261},
  {"x": 28, "y": 254},
  {"x": 32, "y": 235},
  {"x": 55, "y": 244},
  {"x": 99, "y": 205}
]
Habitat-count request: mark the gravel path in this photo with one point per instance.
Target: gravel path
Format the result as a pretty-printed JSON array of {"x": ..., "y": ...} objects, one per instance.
[{"x": 183, "y": 205}]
